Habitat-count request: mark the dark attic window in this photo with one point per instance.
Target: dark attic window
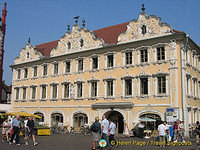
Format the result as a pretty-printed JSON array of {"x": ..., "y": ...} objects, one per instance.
[
  {"x": 27, "y": 55},
  {"x": 144, "y": 29},
  {"x": 69, "y": 45},
  {"x": 82, "y": 42}
]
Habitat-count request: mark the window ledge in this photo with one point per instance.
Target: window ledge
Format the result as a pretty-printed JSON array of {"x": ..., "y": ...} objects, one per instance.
[
  {"x": 160, "y": 62},
  {"x": 55, "y": 75},
  {"x": 54, "y": 99},
  {"x": 33, "y": 100},
  {"x": 65, "y": 99},
  {"x": 143, "y": 96},
  {"x": 188, "y": 64},
  {"x": 94, "y": 70},
  {"x": 34, "y": 78},
  {"x": 93, "y": 98},
  {"x": 44, "y": 76},
  {"x": 109, "y": 98},
  {"x": 67, "y": 73},
  {"x": 127, "y": 97},
  {"x": 79, "y": 98},
  {"x": 42, "y": 100},
  {"x": 109, "y": 68},
  {"x": 144, "y": 64},
  {"x": 23, "y": 100},
  {"x": 128, "y": 66},
  {"x": 16, "y": 101},
  {"x": 158, "y": 96}
]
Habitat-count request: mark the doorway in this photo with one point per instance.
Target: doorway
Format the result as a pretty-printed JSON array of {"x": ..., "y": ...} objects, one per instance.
[{"x": 117, "y": 118}]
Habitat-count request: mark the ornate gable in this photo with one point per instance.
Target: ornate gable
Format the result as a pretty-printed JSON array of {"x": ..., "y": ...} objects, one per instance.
[
  {"x": 27, "y": 54},
  {"x": 79, "y": 39},
  {"x": 144, "y": 27}
]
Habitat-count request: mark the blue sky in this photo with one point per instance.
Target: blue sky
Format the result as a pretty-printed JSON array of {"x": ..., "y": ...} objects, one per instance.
[{"x": 46, "y": 20}]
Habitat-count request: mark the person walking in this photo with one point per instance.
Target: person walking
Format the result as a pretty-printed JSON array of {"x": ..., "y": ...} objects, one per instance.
[
  {"x": 104, "y": 129},
  {"x": 30, "y": 127},
  {"x": 180, "y": 132},
  {"x": 162, "y": 133},
  {"x": 175, "y": 131},
  {"x": 26, "y": 130},
  {"x": 126, "y": 132},
  {"x": 112, "y": 128},
  {"x": 96, "y": 132},
  {"x": 4, "y": 130},
  {"x": 16, "y": 125}
]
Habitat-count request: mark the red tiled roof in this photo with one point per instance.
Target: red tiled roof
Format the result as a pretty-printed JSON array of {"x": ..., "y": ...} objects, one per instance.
[
  {"x": 108, "y": 34},
  {"x": 46, "y": 48}
]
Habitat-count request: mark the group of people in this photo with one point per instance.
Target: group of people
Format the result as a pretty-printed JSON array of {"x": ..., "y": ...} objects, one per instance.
[
  {"x": 12, "y": 129},
  {"x": 105, "y": 131},
  {"x": 164, "y": 132}
]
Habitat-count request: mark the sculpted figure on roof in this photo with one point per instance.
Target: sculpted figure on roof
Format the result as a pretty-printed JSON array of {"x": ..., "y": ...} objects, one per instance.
[
  {"x": 79, "y": 39},
  {"x": 144, "y": 27},
  {"x": 27, "y": 54}
]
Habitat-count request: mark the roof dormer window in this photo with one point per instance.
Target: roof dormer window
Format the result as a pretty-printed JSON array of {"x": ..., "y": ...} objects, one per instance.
[
  {"x": 81, "y": 42},
  {"x": 69, "y": 45},
  {"x": 27, "y": 55},
  {"x": 144, "y": 29}
]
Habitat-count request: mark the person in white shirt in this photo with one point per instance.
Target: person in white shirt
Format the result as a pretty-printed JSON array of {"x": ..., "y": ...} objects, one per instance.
[
  {"x": 162, "y": 133},
  {"x": 104, "y": 129},
  {"x": 112, "y": 129}
]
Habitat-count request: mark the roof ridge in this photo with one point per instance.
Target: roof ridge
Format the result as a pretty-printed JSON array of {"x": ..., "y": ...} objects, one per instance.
[{"x": 111, "y": 26}]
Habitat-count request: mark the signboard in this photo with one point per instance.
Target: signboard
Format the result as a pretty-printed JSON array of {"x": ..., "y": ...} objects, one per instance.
[{"x": 172, "y": 114}]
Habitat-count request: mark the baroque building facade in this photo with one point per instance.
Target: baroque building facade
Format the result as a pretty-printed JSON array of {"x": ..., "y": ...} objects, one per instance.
[{"x": 128, "y": 71}]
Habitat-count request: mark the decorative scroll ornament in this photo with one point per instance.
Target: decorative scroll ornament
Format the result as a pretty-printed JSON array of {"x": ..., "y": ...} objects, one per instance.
[
  {"x": 144, "y": 27},
  {"x": 79, "y": 39}
]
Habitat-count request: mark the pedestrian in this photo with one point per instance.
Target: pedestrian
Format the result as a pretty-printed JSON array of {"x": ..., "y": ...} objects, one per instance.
[
  {"x": 167, "y": 137},
  {"x": 31, "y": 130},
  {"x": 175, "y": 131},
  {"x": 180, "y": 130},
  {"x": 96, "y": 132},
  {"x": 26, "y": 130},
  {"x": 4, "y": 130},
  {"x": 162, "y": 133},
  {"x": 104, "y": 129},
  {"x": 16, "y": 125},
  {"x": 112, "y": 128},
  {"x": 141, "y": 129},
  {"x": 126, "y": 131}
]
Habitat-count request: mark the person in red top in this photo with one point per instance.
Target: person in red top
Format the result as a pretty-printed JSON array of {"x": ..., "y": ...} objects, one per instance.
[{"x": 175, "y": 131}]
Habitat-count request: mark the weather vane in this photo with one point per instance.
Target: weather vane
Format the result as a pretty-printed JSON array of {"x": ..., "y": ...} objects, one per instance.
[
  {"x": 83, "y": 21},
  {"x": 68, "y": 27},
  {"x": 29, "y": 40},
  {"x": 143, "y": 9},
  {"x": 76, "y": 19}
]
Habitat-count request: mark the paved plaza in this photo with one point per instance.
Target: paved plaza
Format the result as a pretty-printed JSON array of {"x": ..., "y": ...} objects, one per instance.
[{"x": 80, "y": 142}]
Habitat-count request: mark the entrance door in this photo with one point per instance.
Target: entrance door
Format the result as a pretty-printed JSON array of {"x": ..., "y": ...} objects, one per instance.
[
  {"x": 117, "y": 118},
  {"x": 80, "y": 119}
]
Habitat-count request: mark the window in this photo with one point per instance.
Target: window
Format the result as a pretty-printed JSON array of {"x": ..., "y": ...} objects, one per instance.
[
  {"x": 56, "y": 68},
  {"x": 109, "y": 88},
  {"x": 187, "y": 82},
  {"x": 79, "y": 90},
  {"x": 33, "y": 92},
  {"x": 144, "y": 29},
  {"x": 128, "y": 87},
  {"x": 95, "y": 63},
  {"x": 81, "y": 43},
  {"x": 80, "y": 65},
  {"x": 35, "y": 71},
  {"x": 67, "y": 67},
  {"x": 144, "y": 86},
  {"x": 45, "y": 69},
  {"x": 54, "y": 94},
  {"x": 144, "y": 56},
  {"x": 160, "y": 53},
  {"x": 162, "y": 85},
  {"x": 66, "y": 90},
  {"x": 93, "y": 89},
  {"x": 44, "y": 90},
  {"x": 17, "y": 94},
  {"x": 27, "y": 55},
  {"x": 24, "y": 93},
  {"x": 25, "y": 73},
  {"x": 110, "y": 61},
  {"x": 69, "y": 45},
  {"x": 128, "y": 58},
  {"x": 18, "y": 74}
]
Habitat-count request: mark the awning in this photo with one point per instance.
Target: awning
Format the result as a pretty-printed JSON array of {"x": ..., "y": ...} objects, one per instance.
[{"x": 113, "y": 105}]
